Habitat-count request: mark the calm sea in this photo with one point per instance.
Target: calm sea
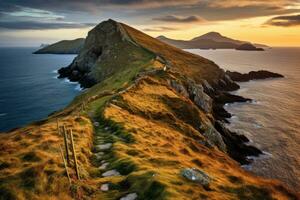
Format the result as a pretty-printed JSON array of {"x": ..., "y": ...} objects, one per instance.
[
  {"x": 29, "y": 89},
  {"x": 272, "y": 121}
]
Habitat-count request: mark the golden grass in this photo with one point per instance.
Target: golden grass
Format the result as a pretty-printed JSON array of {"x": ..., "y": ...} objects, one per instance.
[
  {"x": 33, "y": 165},
  {"x": 163, "y": 148}
]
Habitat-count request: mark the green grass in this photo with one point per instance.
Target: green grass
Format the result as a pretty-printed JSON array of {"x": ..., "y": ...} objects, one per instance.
[{"x": 144, "y": 185}]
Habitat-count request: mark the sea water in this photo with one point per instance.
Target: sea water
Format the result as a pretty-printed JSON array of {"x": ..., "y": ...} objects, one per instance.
[
  {"x": 272, "y": 120},
  {"x": 29, "y": 88}
]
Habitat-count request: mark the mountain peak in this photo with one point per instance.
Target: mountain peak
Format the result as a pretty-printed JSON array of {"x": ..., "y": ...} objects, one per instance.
[
  {"x": 213, "y": 33},
  {"x": 210, "y": 36}
]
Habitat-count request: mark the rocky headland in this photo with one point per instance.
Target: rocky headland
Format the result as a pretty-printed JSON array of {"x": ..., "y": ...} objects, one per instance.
[
  {"x": 253, "y": 75},
  {"x": 151, "y": 125}
]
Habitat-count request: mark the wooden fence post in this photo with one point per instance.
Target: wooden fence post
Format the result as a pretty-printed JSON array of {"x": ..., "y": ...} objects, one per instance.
[
  {"x": 74, "y": 154},
  {"x": 66, "y": 144},
  {"x": 65, "y": 164}
]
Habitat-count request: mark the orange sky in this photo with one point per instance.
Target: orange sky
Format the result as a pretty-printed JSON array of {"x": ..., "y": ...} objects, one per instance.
[{"x": 270, "y": 22}]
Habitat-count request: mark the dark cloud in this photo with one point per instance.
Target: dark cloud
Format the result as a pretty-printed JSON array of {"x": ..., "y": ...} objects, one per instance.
[
  {"x": 160, "y": 28},
  {"x": 290, "y": 20},
  {"x": 27, "y": 25},
  {"x": 172, "y": 18}
]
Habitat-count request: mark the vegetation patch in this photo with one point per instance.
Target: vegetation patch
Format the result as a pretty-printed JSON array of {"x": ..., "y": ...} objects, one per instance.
[
  {"x": 248, "y": 192},
  {"x": 31, "y": 157},
  {"x": 7, "y": 193},
  {"x": 115, "y": 129},
  {"x": 124, "y": 166},
  {"x": 144, "y": 185}
]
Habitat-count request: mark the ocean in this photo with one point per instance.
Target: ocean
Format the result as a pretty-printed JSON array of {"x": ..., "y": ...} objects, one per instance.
[
  {"x": 29, "y": 89},
  {"x": 272, "y": 120}
]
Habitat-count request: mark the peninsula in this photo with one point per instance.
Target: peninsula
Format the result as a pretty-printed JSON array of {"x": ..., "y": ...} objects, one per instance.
[{"x": 149, "y": 126}]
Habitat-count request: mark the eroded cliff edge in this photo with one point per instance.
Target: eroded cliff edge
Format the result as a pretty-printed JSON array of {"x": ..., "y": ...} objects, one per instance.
[{"x": 150, "y": 127}]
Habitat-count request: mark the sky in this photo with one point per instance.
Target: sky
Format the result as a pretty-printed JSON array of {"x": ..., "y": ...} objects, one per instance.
[{"x": 33, "y": 22}]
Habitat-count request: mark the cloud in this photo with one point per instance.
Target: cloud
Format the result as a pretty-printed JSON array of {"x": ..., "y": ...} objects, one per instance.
[
  {"x": 245, "y": 3},
  {"x": 33, "y": 25},
  {"x": 286, "y": 21},
  {"x": 172, "y": 18},
  {"x": 160, "y": 28}
]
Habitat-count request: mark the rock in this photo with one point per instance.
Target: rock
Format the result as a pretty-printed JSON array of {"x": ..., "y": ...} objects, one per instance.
[
  {"x": 104, "y": 166},
  {"x": 207, "y": 87},
  {"x": 104, "y": 187},
  {"x": 215, "y": 138},
  {"x": 131, "y": 196},
  {"x": 103, "y": 146},
  {"x": 112, "y": 172},
  {"x": 196, "y": 175},
  {"x": 179, "y": 88},
  {"x": 253, "y": 75},
  {"x": 248, "y": 47},
  {"x": 236, "y": 145},
  {"x": 199, "y": 97},
  {"x": 99, "y": 155}
]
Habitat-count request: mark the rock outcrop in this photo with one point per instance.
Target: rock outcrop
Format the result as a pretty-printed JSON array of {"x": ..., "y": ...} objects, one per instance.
[
  {"x": 253, "y": 75},
  {"x": 248, "y": 47}
]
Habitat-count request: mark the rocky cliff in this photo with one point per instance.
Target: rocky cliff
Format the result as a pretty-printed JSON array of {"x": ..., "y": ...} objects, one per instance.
[{"x": 151, "y": 126}]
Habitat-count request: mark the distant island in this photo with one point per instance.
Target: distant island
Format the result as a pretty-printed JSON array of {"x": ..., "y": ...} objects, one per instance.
[
  {"x": 62, "y": 47},
  {"x": 248, "y": 47},
  {"x": 211, "y": 40}
]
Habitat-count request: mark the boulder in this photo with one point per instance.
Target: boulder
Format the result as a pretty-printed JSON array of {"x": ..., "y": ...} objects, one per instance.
[
  {"x": 103, "y": 146},
  {"x": 112, "y": 172},
  {"x": 104, "y": 187},
  {"x": 131, "y": 196},
  {"x": 196, "y": 175}
]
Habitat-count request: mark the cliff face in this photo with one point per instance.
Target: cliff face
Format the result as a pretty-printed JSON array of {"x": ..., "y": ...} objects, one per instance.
[{"x": 150, "y": 127}]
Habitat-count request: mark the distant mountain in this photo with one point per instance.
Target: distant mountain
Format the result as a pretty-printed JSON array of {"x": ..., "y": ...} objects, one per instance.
[
  {"x": 62, "y": 47},
  {"x": 211, "y": 40}
]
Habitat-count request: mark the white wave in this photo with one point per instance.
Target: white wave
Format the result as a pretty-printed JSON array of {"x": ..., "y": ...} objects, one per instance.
[
  {"x": 78, "y": 88},
  {"x": 2, "y": 114},
  {"x": 66, "y": 80},
  {"x": 55, "y": 71},
  {"x": 257, "y": 125}
]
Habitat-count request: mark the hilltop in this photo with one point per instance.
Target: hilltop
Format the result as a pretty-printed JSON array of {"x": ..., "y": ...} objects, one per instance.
[
  {"x": 149, "y": 126},
  {"x": 211, "y": 40},
  {"x": 62, "y": 47}
]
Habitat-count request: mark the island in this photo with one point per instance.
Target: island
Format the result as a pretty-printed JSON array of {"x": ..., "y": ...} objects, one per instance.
[
  {"x": 148, "y": 126},
  {"x": 248, "y": 47},
  {"x": 62, "y": 47},
  {"x": 211, "y": 40}
]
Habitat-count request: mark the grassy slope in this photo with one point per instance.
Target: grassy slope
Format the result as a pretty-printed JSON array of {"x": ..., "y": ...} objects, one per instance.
[
  {"x": 153, "y": 134},
  {"x": 63, "y": 47}
]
